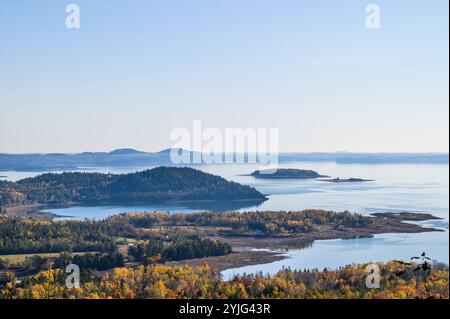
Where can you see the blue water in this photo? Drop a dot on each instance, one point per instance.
(335, 253)
(397, 187)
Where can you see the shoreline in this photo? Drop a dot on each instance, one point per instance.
(383, 223)
(23, 209)
(252, 250)
(235, 259)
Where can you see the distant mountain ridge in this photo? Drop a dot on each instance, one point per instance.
(125, 151)
(128, 157)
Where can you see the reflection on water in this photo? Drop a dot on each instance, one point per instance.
(415, 188)
(101, 212)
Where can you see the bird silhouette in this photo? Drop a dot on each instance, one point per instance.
(424, 265)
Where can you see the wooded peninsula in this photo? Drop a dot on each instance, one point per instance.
(161, 184)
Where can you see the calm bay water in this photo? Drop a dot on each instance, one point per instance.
(414, 188)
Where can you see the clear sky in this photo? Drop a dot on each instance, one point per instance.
(136, 70)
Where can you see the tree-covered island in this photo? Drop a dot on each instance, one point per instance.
(161, 184)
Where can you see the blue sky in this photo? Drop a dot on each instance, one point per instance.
(135, 70)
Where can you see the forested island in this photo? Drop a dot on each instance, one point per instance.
(293, 173)
(286, 173)
(162, 184)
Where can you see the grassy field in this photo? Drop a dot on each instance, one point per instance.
(16, 259)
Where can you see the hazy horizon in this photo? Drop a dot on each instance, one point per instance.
(160, 150)
(133, 72)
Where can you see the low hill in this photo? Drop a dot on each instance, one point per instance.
(125, 151)
(160, 184)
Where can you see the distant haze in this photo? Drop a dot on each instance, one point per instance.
(136, 70)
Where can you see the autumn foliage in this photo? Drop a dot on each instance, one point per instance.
(158, 281)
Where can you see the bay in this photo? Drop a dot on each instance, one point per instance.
(397, 187)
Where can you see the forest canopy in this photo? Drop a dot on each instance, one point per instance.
(160, 184)
(159, 282)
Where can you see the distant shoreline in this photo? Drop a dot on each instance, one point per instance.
(130, 158)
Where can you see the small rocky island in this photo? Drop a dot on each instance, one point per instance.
(286, 173)
(347, 180)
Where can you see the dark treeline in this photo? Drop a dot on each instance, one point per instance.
(86, 262)
(155, 185)
(179, 249)
(22, 236)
